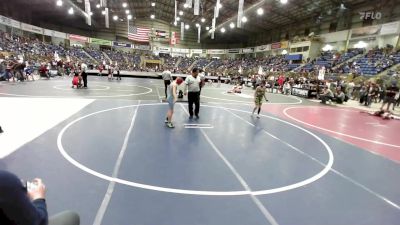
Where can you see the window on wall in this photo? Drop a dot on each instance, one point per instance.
(332, 27)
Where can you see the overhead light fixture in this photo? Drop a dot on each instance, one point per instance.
(244, 19)
(223, 30)
(219, 6)
(185, 5)
(284, 1)
(232, 25)
(152, 16)
(187, 26)
(71, 11)
(342, 6)
(361, 44)
(124, 4)
(327, 48)
(90, 13)
(153, 4)
(115, 17)
(207, 28)
(203, 20)
(175, 23)
(103, 12)
(197, 25)
(284, 52)
(127, 11)
(260, 11)
(59, 3)
(98, 6)
(129, 17)
(178, 18)
(181, 13)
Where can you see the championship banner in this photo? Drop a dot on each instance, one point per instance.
(198, 34)
(240, 14)
(87, 10)
(97, 41)
(365, 31)
(10, 22)
(121, 45)
(189, 3)
(107, 18)
(78, 38)
(182, 30)
(31, 28)
(196, 7)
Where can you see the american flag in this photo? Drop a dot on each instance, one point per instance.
(139, 34)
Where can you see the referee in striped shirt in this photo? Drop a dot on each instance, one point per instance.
(192, 89)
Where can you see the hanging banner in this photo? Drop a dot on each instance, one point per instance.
(196, 7)
(284, 44)
(189, 3)
(240, 14)
(88, 11)
(196, 51)
(121, 45)
(143, 47)
(365, 31)
(10, 22)
(176, 11)
(97, 41)
(180, 50)
(233, 51)
(78, 38)
(31, 28)
(213, 28)
(107, 18)
(216, 51)
(276, 45)
(173, 38)
(60, 35)
(217, 8)
(198, 34)
(247, 50)
(263, 48)
(390, 28)
(182, 30)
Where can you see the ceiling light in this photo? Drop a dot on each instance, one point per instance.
(203, 20)
(284, 52)
(129, 17)
(232, 25)
(152, 16)
(185, 5)
(90, 13)
(59, 3)
(197, 25)
(223, 30)
(71, 11)
(207, 28)
(178, 18)
(260, 11)
(180, 13)
(103, 12)
(124, 4)
(187, 26)
(153, 4)
(127, 11)
(115, 17)
(175, 23)
(244, 19)
(284, 1)
(219, 6)
(98, 6)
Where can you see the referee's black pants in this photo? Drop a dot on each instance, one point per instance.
(84, 78)
(166, 83)
(194, 98)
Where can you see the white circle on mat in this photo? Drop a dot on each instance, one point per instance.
(299, 184)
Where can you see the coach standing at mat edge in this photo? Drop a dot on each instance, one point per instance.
(192, 89)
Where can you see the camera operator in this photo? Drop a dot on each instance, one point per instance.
(26, 205)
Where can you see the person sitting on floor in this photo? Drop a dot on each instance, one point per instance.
(77, 80)
(327, 95)
(340, 97)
